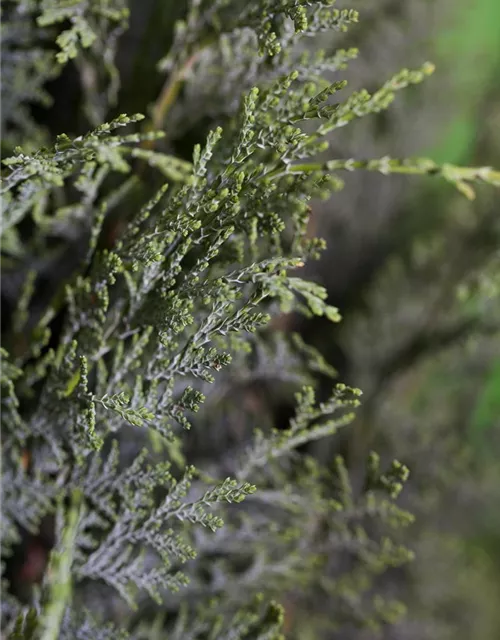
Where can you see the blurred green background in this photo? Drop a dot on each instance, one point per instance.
(414, 269)
(452, 389)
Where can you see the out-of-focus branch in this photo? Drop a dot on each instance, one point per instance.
(432, 341)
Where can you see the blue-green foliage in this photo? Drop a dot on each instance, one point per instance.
(175, 308)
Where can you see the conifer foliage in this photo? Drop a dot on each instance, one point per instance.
(181, 264)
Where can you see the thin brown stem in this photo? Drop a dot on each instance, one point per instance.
(166, 100)
(170, 91)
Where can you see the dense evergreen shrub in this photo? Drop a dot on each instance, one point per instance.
(145, 276)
